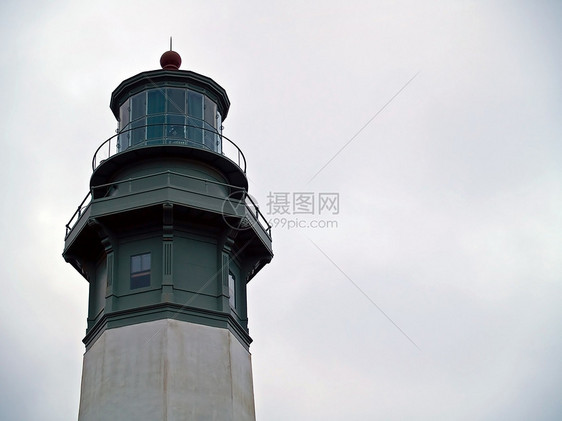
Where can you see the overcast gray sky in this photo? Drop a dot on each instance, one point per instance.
(450, 199)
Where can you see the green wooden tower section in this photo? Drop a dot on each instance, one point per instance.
(168, 230)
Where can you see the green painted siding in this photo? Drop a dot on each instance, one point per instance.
(195, 271)
(97, 289)
(169, 201)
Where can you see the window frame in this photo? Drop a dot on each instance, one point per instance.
(232, 290)
(140, 278)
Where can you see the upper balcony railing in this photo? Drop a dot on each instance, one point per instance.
(189, 135)
(187, 183)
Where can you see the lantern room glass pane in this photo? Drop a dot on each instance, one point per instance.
(156, 101)
(219, 122)
(195, 105)
(195, 119)
(210, 121)
(124, 118)
(175, 129)
(138, 133)
(138, 113)
(194, 130)
(218, 138)
(155, 127)
(210, 112)
(209, 137)
(138, 106)
(124, 114)
(176, 101)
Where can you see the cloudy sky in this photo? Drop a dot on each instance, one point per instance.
(434, 293)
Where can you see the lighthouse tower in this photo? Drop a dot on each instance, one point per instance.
(167, 239)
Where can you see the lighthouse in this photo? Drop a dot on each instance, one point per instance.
(168, 239)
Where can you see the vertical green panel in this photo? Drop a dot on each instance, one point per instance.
(224, 269)
(167, 264)
(224, 281)
(195, 266)
(100, 287)
(110, 269)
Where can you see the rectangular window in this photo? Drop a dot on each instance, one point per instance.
(140, 271)
(232, 290)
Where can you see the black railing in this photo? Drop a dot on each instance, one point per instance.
(260, 219)
(249, 203)
(78, 213)
(229, 149)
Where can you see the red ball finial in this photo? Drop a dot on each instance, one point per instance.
(170, 60)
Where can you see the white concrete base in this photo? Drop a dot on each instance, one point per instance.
(167, 370)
